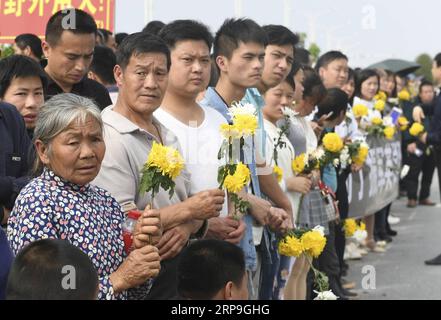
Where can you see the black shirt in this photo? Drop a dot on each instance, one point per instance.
(86, 88)
(14, 155)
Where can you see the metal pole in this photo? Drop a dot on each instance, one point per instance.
(238, 8)
(148, 11)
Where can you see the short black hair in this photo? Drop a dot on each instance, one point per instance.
(335, 101)
(233, 32)
(280, 35)
(31, 40)
(39, 270)
(361, 76)
(328, 57)
(104, 35)
(18, 66)
(313, 85)
(153, 27)
(138, 43)
(179, 30)
(84, 24)
(302, 56)
(424, 83)
(119, 37)
(437, 59)
(206, 266)
(104, 60)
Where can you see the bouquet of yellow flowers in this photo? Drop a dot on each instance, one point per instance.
(416, 129)
(379, 105)
(404, 95)
(163, 165)
(305, 163)
(360, 110)
(358, 152)
(235, 175)
(389, 132)
(381, 95)
(308, 242)
(403, 123)
(354, 229)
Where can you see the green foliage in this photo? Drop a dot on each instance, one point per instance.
(152, 179)
(314, 50)
(426, 66)
(6, 50)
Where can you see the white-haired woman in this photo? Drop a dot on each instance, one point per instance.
(60, 203)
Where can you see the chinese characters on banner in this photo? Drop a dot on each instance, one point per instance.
(31, 16)
(377, 185)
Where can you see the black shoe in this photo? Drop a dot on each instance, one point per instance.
(434, 262)
(384, 237)
(391, 232)
(334, 285)
(346, 292)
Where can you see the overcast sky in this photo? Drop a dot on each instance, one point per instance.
(367, 31)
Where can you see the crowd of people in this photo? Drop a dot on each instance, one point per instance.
(77, 127)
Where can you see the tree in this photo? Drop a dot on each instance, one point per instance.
(6, 51)
(314, 50)
(426, 66)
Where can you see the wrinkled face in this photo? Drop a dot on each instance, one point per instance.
(369, 88)
(298, 79)
(427, 94)
(244, 68)
(69, 60)
(349, 87)
(76, 153)
(26, 94)
(335, 74)
(190, 68)
(143, 82)
(275, 99)
(278, 63)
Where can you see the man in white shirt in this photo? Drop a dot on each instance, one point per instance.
(196, 127)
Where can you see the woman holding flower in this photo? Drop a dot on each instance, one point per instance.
(60, 203)
(280, 152)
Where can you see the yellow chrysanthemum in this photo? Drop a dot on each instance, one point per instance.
(360, 158)
(377, 121)
(332, 142)
(168, 160)
(360, 110)
(350, 227)
(313, 243)
(403, 123)
(362, 226)
(389, 132)
(243, 173)
(379, 105)
(298, 164)
(229, 131)
(416, 129)
(404, 95)
(235, 182)
(381, 96)
(290, 246)
(246, 124)
(278, 172)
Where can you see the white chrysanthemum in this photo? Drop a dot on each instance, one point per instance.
(360, 235)
(336, 162)
(393, 101)
(319, 229)
(288, 112)
(238, 109)
(388, 121)
(364, 145)
(318, 153)
(325, 295)
(345, 157)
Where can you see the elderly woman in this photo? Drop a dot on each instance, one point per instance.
(60, 203)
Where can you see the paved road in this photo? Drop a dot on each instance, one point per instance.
(401, 272)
